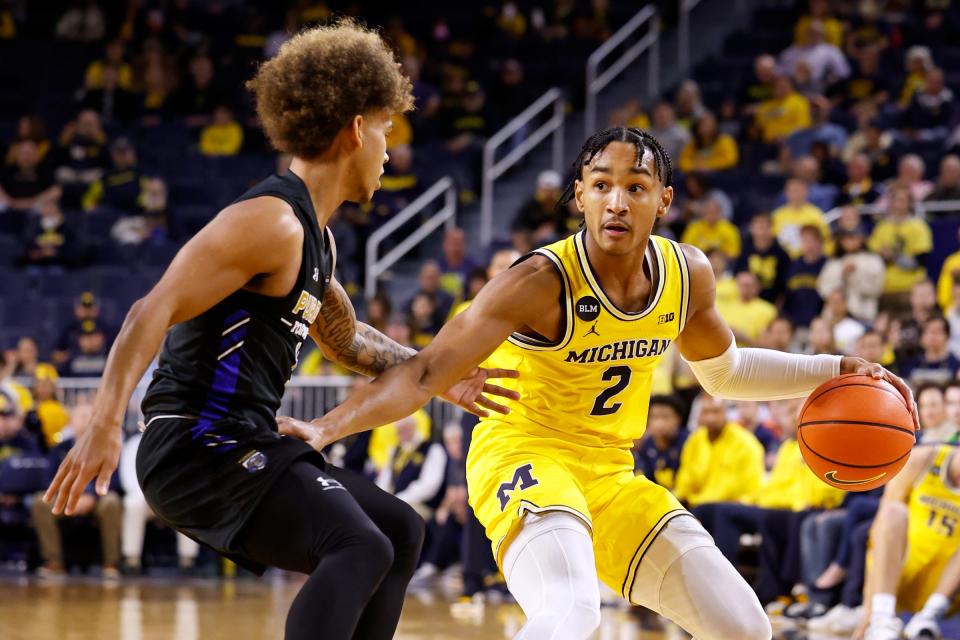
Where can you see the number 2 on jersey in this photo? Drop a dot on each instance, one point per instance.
(622, 375)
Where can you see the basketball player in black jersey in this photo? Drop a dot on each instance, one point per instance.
(239, 300)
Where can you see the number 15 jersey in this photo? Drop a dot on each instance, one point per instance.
(593, 385)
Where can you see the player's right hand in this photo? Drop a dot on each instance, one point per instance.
(312, 433)
(95, 454)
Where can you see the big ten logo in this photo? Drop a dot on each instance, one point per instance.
(522, 479)
(666, 317)
(309, 305)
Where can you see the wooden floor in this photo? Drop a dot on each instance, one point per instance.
(152, 609)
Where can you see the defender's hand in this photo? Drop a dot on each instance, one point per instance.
(858, 365)
(468, 393)
(313, 433)
(94, 455)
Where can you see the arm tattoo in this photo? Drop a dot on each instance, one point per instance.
(355, 345)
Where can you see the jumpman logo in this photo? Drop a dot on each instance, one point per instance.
(593, 331)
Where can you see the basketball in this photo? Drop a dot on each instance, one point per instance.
(855, 432)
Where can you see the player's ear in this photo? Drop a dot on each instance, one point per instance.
(666, 198)
(354, 131)
(578, 194)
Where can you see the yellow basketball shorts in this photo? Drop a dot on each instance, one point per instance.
(510, 473)
(921, 572)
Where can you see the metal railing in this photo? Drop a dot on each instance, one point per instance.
(493, 168)
(306, 397)
(444, 188)
(597, 81)
(920, 208)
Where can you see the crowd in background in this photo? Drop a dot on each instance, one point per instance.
(819, 187)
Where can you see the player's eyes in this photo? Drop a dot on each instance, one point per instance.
(636, 188)
(600, 186)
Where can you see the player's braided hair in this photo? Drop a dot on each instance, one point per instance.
(596, 143)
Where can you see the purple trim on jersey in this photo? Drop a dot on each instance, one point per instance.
(222, 386)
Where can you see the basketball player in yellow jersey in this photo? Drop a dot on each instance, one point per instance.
(585, 322)
(914, 558)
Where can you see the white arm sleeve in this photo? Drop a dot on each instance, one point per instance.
(763, 374)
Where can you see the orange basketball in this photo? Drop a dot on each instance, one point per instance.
(855, 432)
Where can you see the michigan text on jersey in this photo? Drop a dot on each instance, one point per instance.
(622, 350)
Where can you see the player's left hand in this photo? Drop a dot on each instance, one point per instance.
(313, 433)
(850, 364)
(468, 393)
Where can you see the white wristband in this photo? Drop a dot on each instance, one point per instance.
(763, 374)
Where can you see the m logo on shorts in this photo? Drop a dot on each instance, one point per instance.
(522, 479)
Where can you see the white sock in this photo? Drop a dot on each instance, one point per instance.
(936, 606)
(884, 606)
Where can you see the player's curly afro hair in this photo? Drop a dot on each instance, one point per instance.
(596, 143)
(321, 79)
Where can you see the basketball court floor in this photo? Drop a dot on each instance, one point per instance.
(171, 609)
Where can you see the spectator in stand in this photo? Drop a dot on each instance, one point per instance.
(748, 417)
(779, 335)
(903, 240)
(871, 139)
(936, 365)
(422, 320)
(855, 271)
(697, 189)
(952, 314)
(871, 347)
(14, 439)
(466, 127)
(82, 23)
(760, 87)
(29, 127)
(50, 411)
(150, 225)
(511, 93)
(720, 461)
(807, 168)
(105, 509)
(795, 214)
(91, 357)
(803, 303)
(775, 509)
(455, 265)
(949, 275)
(537, 221)
(800, 143)
(27, 182)
(918, 62)
(818, 11)
(935, 424)
(112, 102)
(672, 135)
(763, 256)
(426, 98)
(747, 315)
(859, 187)
(430, 284)
(86, 309)
(81, 158)
(399, 186)
(930, 113)
(711, 231)
(948, 184)
(223, 136)
(122, 187)
(708, 149)
(113, 58)
(906, 334)
(26, 358)
(826, 61)
(657, 455)
(415, 470)
(783, 114)
(50, 243)
(846, 329)
(136, 513)
(378, 311)
(910, 175)
(154, 95)
(17, 446)
(867, 87)
(688, 104)
(200, 95)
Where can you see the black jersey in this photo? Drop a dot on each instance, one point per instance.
(236, 358)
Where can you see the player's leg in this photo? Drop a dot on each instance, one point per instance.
(551, 571)
(108, 515)
(672, 580)
(133, 526)
(927, 620)
(405, 529)
(888, 552)
(308, 523)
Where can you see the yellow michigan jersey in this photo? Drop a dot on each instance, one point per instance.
(566, 443)
(933, 532)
